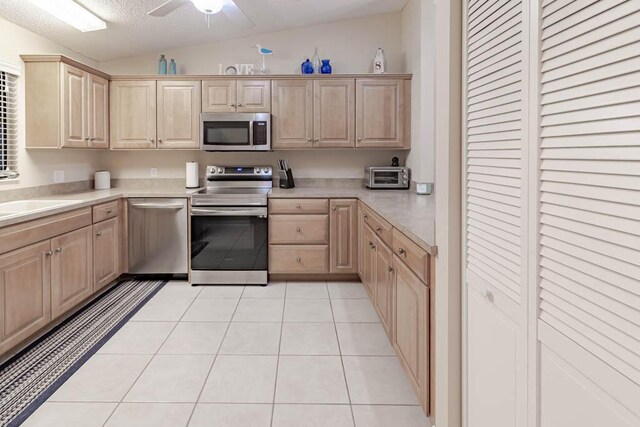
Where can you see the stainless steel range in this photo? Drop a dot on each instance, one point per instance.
(229, 226)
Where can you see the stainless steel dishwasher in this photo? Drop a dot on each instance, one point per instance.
(158, 236)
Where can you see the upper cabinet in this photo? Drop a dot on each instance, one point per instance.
(150, 114)
(66, 104)
(383, 113)
(230, 96)
(334, 113)
(292, 114)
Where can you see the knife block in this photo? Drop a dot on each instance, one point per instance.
(286, 179)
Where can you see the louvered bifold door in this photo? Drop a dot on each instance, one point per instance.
(495, 210)
(589, 231)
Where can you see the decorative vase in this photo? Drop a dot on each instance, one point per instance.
(315, 60)
(379, 62)
(307, 67)
(173, 68)
(326, 67)
(162, 65)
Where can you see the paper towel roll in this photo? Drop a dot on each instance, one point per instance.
(192, 175)
(102, 180)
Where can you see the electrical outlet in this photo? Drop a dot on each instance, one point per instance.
(154, 172)
(58, 176)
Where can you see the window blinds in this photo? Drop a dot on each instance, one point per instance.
(590, 179)
(8, 126)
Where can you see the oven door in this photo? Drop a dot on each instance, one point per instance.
(229, 245)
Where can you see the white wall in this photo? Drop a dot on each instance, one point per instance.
(418, 49)
(36, 167)
(350, 44)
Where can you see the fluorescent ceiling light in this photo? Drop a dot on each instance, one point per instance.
(72, 13)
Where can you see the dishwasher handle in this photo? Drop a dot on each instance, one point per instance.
(165, 206)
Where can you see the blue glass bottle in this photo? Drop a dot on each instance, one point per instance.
(162, 65)
(307, 67)
(326, 67)
(173, 68)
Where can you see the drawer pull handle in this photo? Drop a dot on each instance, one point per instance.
(378, 229)
(402, 251)
(109, 211)
(298, 229)
(98, 234)
(298, 259)
(48, 253)
(389, 268)
(58, 249)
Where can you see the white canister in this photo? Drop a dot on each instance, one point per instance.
(192, 175)
(102, 180)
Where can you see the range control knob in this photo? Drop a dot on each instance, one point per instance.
(220, 170)
(258, 170)
(212, 170)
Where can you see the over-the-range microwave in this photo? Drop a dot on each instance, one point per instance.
(236, 131)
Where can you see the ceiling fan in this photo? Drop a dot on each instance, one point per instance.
(208, 7)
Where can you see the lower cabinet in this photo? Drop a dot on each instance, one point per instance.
(369, 261)
(71, 270)
(343, 235)
(384, 280)
(106, 244)
(25, 293)
(411, 327)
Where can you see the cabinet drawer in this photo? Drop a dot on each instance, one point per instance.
(298, 206)
(298, 259)
(381, 227)
(106, 211)
(416, 258)
(299, 229)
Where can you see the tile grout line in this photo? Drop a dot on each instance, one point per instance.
(151, 358)
(214, 359)
(344, 372)
(275, 383)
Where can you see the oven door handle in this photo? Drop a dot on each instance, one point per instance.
(259, 212)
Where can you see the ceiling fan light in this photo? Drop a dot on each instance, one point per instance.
(209, 7)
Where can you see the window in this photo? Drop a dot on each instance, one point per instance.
(8, 126)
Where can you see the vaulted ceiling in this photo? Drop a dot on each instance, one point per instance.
(130, 31)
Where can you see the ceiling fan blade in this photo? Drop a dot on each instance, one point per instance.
(168, 7)
(236, 15)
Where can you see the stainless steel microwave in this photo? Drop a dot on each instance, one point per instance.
(236, 131)
(389, 177)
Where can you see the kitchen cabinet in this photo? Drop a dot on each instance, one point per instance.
(369, 262)
(66, 104)
(106, 248)
(292, 114)
(361, 245)
(25, 293)
(334, 113)
(411, 327)
(178, 122)
(71, 270)
(343, 235)
(383, 115)
(230, 96)
(133, 114)
(384, 284)
(301, 259)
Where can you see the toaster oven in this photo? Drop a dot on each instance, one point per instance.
(387, 177)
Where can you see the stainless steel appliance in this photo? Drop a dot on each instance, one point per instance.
(389, 177)
(229, 226)
(236, 131)
(158, 236)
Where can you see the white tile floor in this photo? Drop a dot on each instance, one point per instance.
(295, 354)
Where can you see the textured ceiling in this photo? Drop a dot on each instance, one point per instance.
(130, 31)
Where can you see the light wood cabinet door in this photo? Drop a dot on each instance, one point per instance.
(254, 96)
(179, 114)
(369, 262)
(133, 114)
(219, 96)
(98, 112)
(74, 107)
(25, 293)
(106, 246)
(361, 244)
(343, 235)
(292, 114)
(381, 109)
(384, 279)
(71, 270)
(334, 113)
(411, 327)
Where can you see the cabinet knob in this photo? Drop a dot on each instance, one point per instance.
(109, 211)
(160, 141)
(359, 139)
(298, 206)
(389, 268)
(378, 229)
(488, 295)
(298, 229)
(48, 253)
(240, 105)
(58, 249)
(98, 234)
(309, 139)
(333, 208)
(402, 251)
(151, 140)
(233, 105)
(92, 139)
(298, 259)
(86, 138)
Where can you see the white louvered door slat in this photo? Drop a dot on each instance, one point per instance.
(8, 126)
(589, 222)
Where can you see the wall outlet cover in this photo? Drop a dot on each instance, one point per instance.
(58, 177)
(154, 172)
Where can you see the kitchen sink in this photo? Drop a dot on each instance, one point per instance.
(19, 207)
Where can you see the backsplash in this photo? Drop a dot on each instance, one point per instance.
(45, 190)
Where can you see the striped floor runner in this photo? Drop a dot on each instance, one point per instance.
(28, 379)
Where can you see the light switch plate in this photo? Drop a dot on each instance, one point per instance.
(58, 176)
